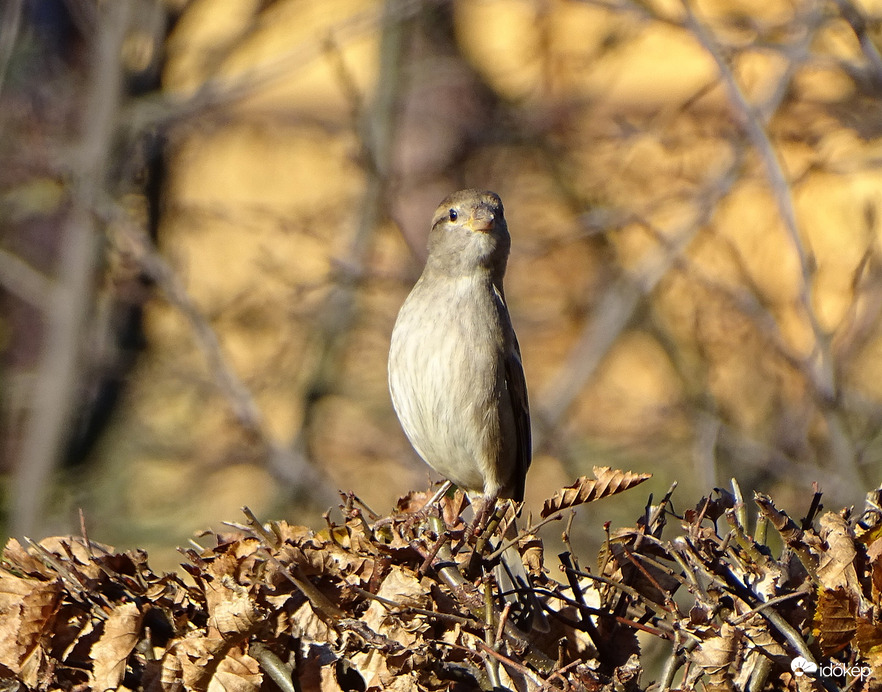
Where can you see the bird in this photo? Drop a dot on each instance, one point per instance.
(456, 378)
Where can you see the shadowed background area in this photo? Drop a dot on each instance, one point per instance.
(211, 211)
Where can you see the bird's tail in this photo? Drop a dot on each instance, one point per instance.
(516, 588)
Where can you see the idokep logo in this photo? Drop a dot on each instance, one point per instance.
(802, 666)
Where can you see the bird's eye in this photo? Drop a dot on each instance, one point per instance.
(452, 215)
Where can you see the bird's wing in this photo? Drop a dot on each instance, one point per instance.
(517, 387)
(517, 391)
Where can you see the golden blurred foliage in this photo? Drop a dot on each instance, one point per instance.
(692, 190)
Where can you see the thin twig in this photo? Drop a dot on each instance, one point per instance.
(509, 663)
(282, 674)
(617, 308)
(164, 109)
(407, 609)
(824, 379)
(291, 467)
(805, 589)
(558, 674)
(625, 589)
(858, 23)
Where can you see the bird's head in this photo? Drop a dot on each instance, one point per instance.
(469, 233)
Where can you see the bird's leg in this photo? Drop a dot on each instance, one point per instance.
(483, 512)
(482, 509)
(493, 514)
(482, 526)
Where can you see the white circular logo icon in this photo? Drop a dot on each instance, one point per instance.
(802, 666)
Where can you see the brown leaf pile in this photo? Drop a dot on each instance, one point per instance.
(403, 602)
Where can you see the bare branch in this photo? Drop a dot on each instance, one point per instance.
(338, 312)
(55, 390)
(10, 21)
(618, 307)
(167, 108)
(22, 280)
(823, 376)
(858, 23)
(819, 368)
(293, 468)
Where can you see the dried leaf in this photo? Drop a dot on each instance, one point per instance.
(111, 652)
(14, 553)
(372, 665)
(869, 641)
(328, 680)
(836, 564)
(232, 608)
(414, 501)
(236, 672)
(241, 591)
(711, 508)
(25, 608)
(835, 623)
(171, 675)
(716, 656)
(196, 657)
(403, 587)
(757, 631)
(308, 626)
(873, 553)
(606, 482)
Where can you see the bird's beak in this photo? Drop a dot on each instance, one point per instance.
(482, 220)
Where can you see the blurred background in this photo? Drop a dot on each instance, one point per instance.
(211, 211)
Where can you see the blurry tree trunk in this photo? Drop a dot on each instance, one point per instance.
(55, 392)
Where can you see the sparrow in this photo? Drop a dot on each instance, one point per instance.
(455, 373)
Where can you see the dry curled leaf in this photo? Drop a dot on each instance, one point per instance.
(717, 655)
(26, 606)
(606, 482)
(232, 608)
(836, 564)
(869, 643)
(835, 622)
(111, 652)
(236, 672)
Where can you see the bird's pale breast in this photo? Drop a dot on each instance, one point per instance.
(440, 414)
